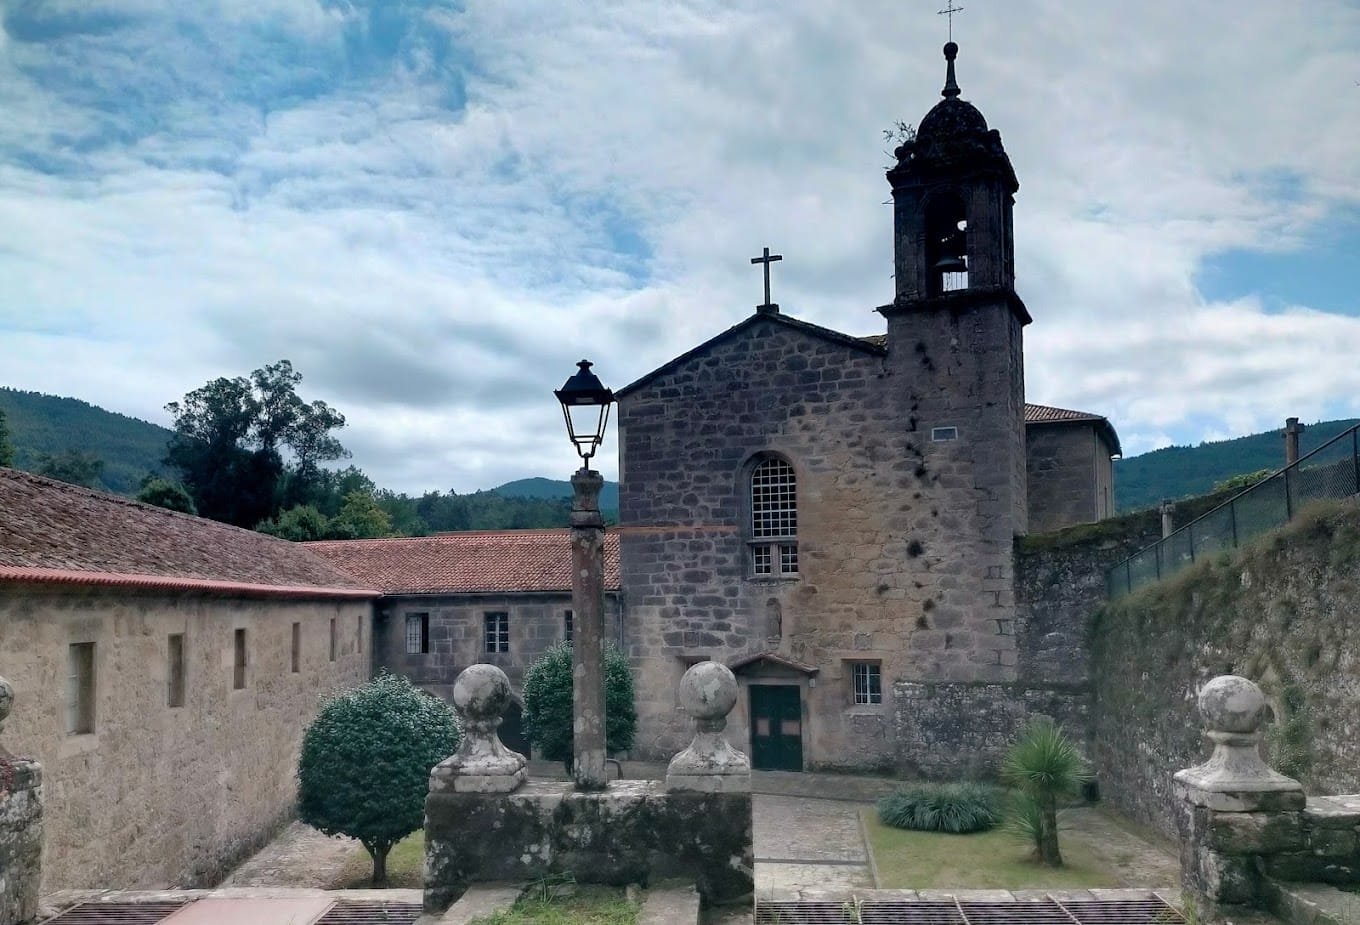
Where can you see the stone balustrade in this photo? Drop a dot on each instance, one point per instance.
(485, 821)
(21, 827)
(1244, 827)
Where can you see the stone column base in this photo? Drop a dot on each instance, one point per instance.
(21, 839)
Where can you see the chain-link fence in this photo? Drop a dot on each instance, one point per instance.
(1330, 471)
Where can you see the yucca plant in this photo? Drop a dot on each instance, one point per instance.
(1045, 767)
(956, 808)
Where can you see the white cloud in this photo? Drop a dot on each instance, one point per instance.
(435, 223)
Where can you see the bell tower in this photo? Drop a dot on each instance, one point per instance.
(955, 325)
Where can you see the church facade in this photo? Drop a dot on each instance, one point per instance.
(833, 516)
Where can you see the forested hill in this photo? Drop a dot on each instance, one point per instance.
(45, 425)
(1185, 471)
(554, 488)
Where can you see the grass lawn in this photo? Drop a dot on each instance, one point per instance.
(405, 866)
(589, 905)
(910, 860)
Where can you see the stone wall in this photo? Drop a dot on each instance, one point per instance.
(1069, 475)
(1280, 612)
(161, 796)
(904, 543)
(21, 827)
(457, 634)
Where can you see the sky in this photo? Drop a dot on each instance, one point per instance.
(435, 208)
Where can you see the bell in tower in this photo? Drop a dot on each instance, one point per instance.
(953, 190)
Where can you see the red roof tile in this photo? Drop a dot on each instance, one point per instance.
(54, 532)
(1045, 414)
(466, 563)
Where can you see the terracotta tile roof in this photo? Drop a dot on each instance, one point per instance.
(52, 532)
(1047, 414)
(465, 563)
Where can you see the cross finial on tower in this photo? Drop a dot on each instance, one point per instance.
(949, 10)
(767, 258)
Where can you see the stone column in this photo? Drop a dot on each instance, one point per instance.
(482, 763)
(1234, 810)
(1167, 508)
(1292, 429)
(21, 828)
(708, 691)
(587, 600)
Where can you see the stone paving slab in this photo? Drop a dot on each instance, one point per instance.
(673, 906)
(480, 901)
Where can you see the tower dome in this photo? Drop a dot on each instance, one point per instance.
(953, 137)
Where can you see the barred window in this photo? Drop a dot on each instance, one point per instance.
(568, 626)
(774, 516)
(417, 633)
(497, 632)
(868, 682)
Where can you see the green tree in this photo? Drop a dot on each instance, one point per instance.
(299, 524)
(167, 494)
(6, 447)
(547, 703)
(230, 438)
(1044, 767)
(360, 518)
(72, 466)
(365, 763)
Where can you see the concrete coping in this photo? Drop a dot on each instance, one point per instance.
(480, 901)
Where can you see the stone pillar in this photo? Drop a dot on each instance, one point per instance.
(708, 691)
(1292, 429)
(587, 600)
(21, 828)
(1235, 812)
(482, 763)
(1167, 508)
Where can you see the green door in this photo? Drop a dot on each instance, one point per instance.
(776, 727)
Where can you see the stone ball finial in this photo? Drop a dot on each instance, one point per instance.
(482, 694)
(1232, 704)
(6, 701)
(708, 691)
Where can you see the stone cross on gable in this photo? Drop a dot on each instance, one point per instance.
(767, 258)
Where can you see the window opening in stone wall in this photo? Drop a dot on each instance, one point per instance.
(946, 245)
(943, 434)
(334, 640)
(174, 674)
(868, 682)
(568, 626)
(774, 519)
(417, 634)
(238, 662)
(296, 660)
(498, 632)
(80, 688)
(359, 633)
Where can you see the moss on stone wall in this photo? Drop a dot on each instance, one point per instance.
(1281, 611)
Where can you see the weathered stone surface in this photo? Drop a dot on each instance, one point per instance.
(218, 775)
(1256, 833)
(710, 764)
(481, 763)
(21, 828)
(634, 832)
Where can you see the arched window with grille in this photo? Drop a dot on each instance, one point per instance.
(774, 519)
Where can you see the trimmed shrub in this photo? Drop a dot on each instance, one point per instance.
(547, 703)
(956, 808)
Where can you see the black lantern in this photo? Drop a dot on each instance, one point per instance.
(585, 405)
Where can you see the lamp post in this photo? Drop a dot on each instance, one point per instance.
(585, 406)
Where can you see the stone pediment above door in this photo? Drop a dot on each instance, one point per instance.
(771, 665)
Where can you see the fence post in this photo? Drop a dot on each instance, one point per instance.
(1232, 512)
(1157, 556)
(1288, 494)
(1190, 535)
(1128, 576)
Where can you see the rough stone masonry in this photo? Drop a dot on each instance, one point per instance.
(21, 831)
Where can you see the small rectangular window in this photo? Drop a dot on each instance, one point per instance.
(762, 560)
(943, 434)
(788, 559)
(497, 632)
(174, 674)
(868, 682)
(80, 688)
(359, 633)
(238, 670)
(568, 626)
(334, 639)
(417, 634)
(296, 661)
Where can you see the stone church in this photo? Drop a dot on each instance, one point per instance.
(834, 516)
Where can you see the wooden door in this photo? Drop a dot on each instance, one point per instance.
(776, 727)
